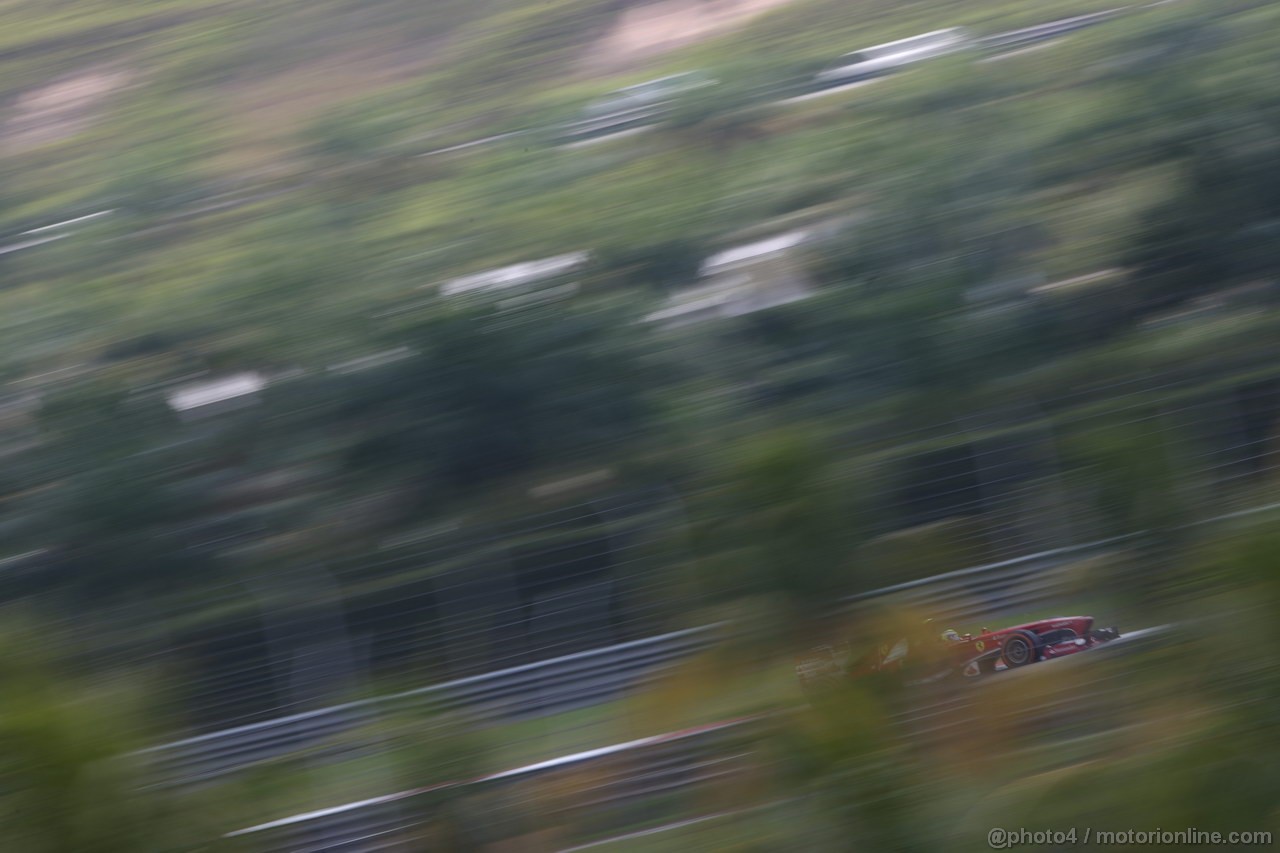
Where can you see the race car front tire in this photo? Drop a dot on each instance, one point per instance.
(1021, 648)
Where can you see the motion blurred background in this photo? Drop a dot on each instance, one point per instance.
(441, 426)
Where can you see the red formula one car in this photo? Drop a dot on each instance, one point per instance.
(966, 655)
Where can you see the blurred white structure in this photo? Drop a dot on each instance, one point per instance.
(33, 237)
(60, 226)
(737, 281)
(199, 399)
(569, 484)
(633, 107)
(515, 275)
(892, 56)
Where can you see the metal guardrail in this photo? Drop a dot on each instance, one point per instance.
(621, 774)
(680, 761)
(589, 677)
(992, 587)
(535, 689)
(593, 676)
(378, 826)
(583, 678)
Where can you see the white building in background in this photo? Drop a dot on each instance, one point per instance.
(893, 56)
(201, 399)
(736, 257)
(740, 280)
(516, 275)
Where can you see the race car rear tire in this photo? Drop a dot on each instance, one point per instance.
(1021, 648)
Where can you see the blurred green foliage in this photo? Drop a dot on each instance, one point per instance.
(71, 779)
(777, 524)
(965, 191)
(1066, 246)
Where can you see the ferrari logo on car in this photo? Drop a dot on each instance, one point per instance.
(980, 646)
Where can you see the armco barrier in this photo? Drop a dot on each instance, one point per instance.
(544, 687)
(621, 773)
(676, 762)
(587, 677)
(993, 587)
(593, 676)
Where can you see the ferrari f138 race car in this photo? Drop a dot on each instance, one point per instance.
(954, 654)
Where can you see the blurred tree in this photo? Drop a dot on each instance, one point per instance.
(112, 511)
(161, 163)
(1221, 225)
(1136, 474)
(72, 782)
(732, 110)
(659, 266)
(356, 137)
(777, 523)
(146, 187)
(1177, 97)
(846, 755)
(1134, 477)
(1228, 579)
(921, 551)
(490, 392)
